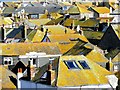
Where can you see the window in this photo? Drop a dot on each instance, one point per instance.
(5, 62)
(71, 65)
(34, 16)
(84, 64)
(9, 62)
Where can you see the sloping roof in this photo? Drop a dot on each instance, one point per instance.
(79, 77)
(113, 54)
(93, 34)
(35, 36)
(58, 29)
(5, 77)
(79, 49)
(82, 8)
(23, 48)
(101, 10)
(64, 47)
(116, 28)
(55, 21)
(5, 21)
(8, 10)
(39, 22)
(14, 32)
(98, 57)
(67, 38)
(73, 10)
(116, 58)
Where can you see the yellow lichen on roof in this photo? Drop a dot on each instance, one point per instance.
(82, 8)
(58, 29)
(98, 57)
(101, 10)
(65, 47)
(55, 15)
(35, 36)
(78, 77)
(23, 48)
(5, 21)
(66, 37)
(116, 28)
(39, 22)
(6, 82)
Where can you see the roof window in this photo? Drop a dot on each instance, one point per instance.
(71, 64)
(84, 64)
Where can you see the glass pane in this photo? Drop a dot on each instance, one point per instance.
(84, 65)
(71, 65)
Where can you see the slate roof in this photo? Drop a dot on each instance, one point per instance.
(79, 49)
(79, 77)
(8, 10)
(14, 32)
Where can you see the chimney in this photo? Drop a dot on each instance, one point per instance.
(19, 75)
(42, 29)
(110, 9)
(73, 25)
(49, 74)
(110, 64)
(30, 70)
(3, 33)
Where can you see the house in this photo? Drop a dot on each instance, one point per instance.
(84, 12)
(111, 35)
(13, 51)
(71, 70)
(100, 11)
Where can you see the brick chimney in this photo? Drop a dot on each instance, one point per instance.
(19, 75)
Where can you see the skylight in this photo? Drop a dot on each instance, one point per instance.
(84, 64)
(71, 65)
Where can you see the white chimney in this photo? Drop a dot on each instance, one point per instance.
(19, 75)
(78, 28)
(110, 9)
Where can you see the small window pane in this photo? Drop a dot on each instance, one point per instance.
(5, 62)
(34, 61)
(9, 62)
(71, 65)
(84, 65)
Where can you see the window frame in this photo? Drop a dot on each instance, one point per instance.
(74, 62)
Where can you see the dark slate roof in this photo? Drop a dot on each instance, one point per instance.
(113, 53)
(35, 10)
(32, 9)
(78, 49)
(14, 32)
(53, 8)
(8, 10)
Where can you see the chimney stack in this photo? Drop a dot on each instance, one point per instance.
(19, 75)
(30, 70)
(2, 33)
(49, 74)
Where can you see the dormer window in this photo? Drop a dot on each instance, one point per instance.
(84, 64)
(71, 64)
